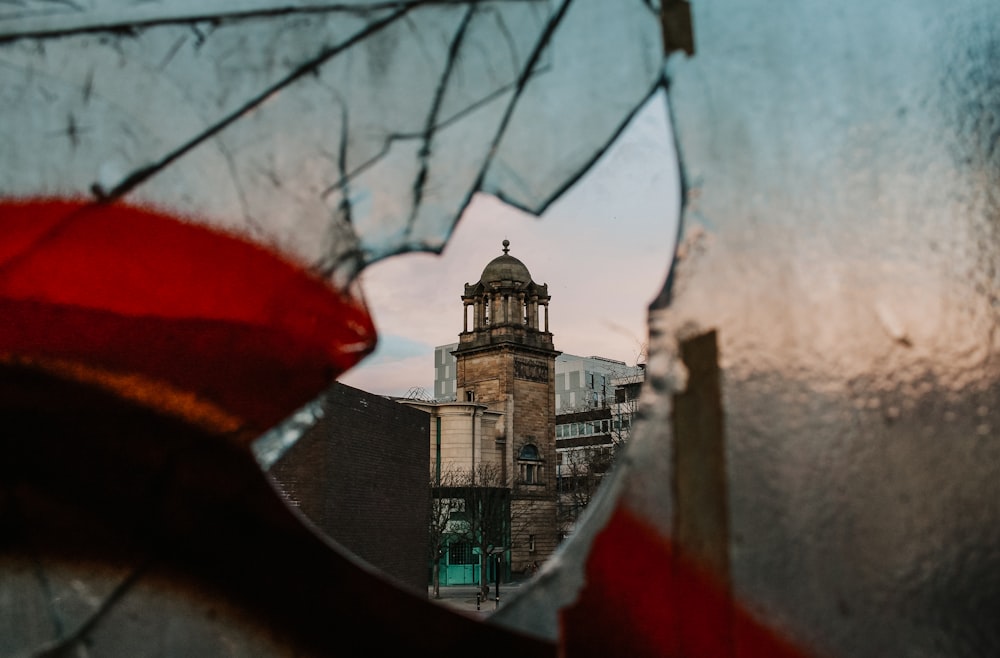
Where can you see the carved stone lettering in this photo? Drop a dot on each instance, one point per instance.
(533, 371)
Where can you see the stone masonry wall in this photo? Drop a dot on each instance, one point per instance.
(492, 375)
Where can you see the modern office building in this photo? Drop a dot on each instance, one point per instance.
(582, 382)
(588, 441)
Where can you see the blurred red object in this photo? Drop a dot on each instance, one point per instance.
(189, 320)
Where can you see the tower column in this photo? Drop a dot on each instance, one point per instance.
(509, 363)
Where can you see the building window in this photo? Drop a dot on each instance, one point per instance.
(529, 468)
(470, 396)
(531, 543)
(460, 553)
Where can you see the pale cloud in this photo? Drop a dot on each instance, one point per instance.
(603, 248)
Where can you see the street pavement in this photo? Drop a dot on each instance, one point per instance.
(463, 598)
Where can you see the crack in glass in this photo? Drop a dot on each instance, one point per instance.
(189, 191)
(339, 133)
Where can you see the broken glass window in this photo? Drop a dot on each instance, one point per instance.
(839, 251)
(187, 194)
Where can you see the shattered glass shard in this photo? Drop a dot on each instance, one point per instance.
(338, 133)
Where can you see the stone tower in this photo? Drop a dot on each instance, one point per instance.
(505, 359)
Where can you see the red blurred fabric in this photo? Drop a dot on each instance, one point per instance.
(133, 291)
(643, 598)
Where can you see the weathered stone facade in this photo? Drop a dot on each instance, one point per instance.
(463, 435)
(506, 360)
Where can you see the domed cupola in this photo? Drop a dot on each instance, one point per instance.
(505, 269)
(505, 306)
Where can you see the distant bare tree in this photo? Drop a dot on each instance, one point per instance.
(581, 474)
(491, 514)
(583, 467)
(442, 525)
(473, 506)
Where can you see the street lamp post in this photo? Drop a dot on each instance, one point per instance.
(497, 552)
(498, 582)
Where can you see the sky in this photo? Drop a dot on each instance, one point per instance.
(603, 248)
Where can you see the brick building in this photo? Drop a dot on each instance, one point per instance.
(360, 475)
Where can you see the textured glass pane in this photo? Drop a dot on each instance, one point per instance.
(840, 234)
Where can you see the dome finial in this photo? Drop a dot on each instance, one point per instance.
(506, 246)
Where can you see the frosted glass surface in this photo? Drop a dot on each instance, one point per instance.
(840, 233)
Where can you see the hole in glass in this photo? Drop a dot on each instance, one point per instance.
(267, 151)
(603, 250)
